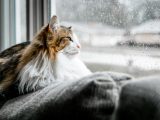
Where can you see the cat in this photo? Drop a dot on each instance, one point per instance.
(52, 55)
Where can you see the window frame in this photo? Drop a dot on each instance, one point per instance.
(7, 23)
(38, 13)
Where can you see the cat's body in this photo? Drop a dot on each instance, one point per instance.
(52, 55)
(41, 71)
(9, 60)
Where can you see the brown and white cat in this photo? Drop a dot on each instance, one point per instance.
(51, 56)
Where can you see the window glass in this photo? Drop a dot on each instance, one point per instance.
(116, 35)
(12, 22)
(6, 28)
(20, 21)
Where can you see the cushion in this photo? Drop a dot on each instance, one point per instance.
(94, 97)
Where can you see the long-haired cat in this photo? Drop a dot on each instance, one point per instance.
(52, 55)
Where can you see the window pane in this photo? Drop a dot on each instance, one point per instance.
(20, 21)
(12, 22)
(116, 35)
(5, 33)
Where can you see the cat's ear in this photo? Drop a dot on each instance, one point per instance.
(53, 24)
(70, 27)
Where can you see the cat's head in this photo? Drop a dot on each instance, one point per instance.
(57, 38)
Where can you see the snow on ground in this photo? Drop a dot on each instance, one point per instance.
(137, 61)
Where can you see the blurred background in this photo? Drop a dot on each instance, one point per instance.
(116, 35)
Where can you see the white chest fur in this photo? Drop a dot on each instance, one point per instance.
(70, 68)
(41, 71)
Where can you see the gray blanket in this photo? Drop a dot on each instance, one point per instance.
(91, 98)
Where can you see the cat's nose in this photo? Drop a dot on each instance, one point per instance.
(78, 46)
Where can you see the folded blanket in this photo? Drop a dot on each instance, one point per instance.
(140, 100)
(91, 98)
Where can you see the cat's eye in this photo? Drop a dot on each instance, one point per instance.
(70, 39)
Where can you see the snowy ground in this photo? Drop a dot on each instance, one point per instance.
(141, 62)
(132, 61)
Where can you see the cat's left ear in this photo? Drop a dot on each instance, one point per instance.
(70, 27)
(54, 23)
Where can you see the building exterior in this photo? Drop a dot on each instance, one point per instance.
(147, 33)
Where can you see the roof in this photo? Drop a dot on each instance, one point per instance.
(151, 26)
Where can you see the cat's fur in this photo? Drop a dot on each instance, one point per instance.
(52, 55)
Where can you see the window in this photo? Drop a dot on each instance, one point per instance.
(116, 35)
(12, 22)
(21, 19)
